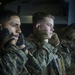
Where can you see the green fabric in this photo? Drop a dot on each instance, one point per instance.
(54, 40)
(13, 61)
(64, 49)
(71, 70)
(42, 51)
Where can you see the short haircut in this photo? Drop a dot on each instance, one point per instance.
(5, 15)
(40, 16)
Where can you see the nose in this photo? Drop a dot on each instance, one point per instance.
(18, 29)
(52, 29)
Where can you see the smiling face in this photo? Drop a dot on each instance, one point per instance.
(47, 26)
(13, 25)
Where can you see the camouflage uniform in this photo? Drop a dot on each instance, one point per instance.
(41, 50)
(67, 49)
(64, 50)
(55, 41)
(12, 61)
(43, 55)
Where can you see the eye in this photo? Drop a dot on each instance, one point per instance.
(50, 25)
(15, 25)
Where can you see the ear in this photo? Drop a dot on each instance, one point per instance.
(38, 25)
(1, 27)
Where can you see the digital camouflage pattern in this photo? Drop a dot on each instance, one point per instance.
(67, 48)
(33, 65)
(41, 50)
(68, 44)
(70, 37)
(12, 61)
(55, 41)
(64, 50)
(71, 70)
(43, 53)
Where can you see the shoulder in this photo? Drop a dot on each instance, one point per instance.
(48, 47)
(14, 52)
(11, 59)
(31, 44)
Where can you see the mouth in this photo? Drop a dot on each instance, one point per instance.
(51, 33)
(16, 35)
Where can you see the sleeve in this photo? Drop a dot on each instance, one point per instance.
(12, 62)
(43, 55)
(64, 51)
(33, 65)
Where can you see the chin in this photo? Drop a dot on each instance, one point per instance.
(49, 36)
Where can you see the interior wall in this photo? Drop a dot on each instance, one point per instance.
(26, 10)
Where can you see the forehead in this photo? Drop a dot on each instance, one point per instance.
(49, 21)
(14, 18)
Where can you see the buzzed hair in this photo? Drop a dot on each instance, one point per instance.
(6, 14)
(40, 16)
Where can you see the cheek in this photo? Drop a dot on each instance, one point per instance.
(47, 29)
(11, 29)
(44, 28)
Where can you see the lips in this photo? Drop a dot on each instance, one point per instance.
(16, 35)
(50, 33)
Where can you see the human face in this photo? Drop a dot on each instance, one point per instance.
(13, 25)
(47, 26)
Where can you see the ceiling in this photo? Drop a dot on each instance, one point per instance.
(31, 1)
(63, 3)
(35, 1)
(40, 1)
